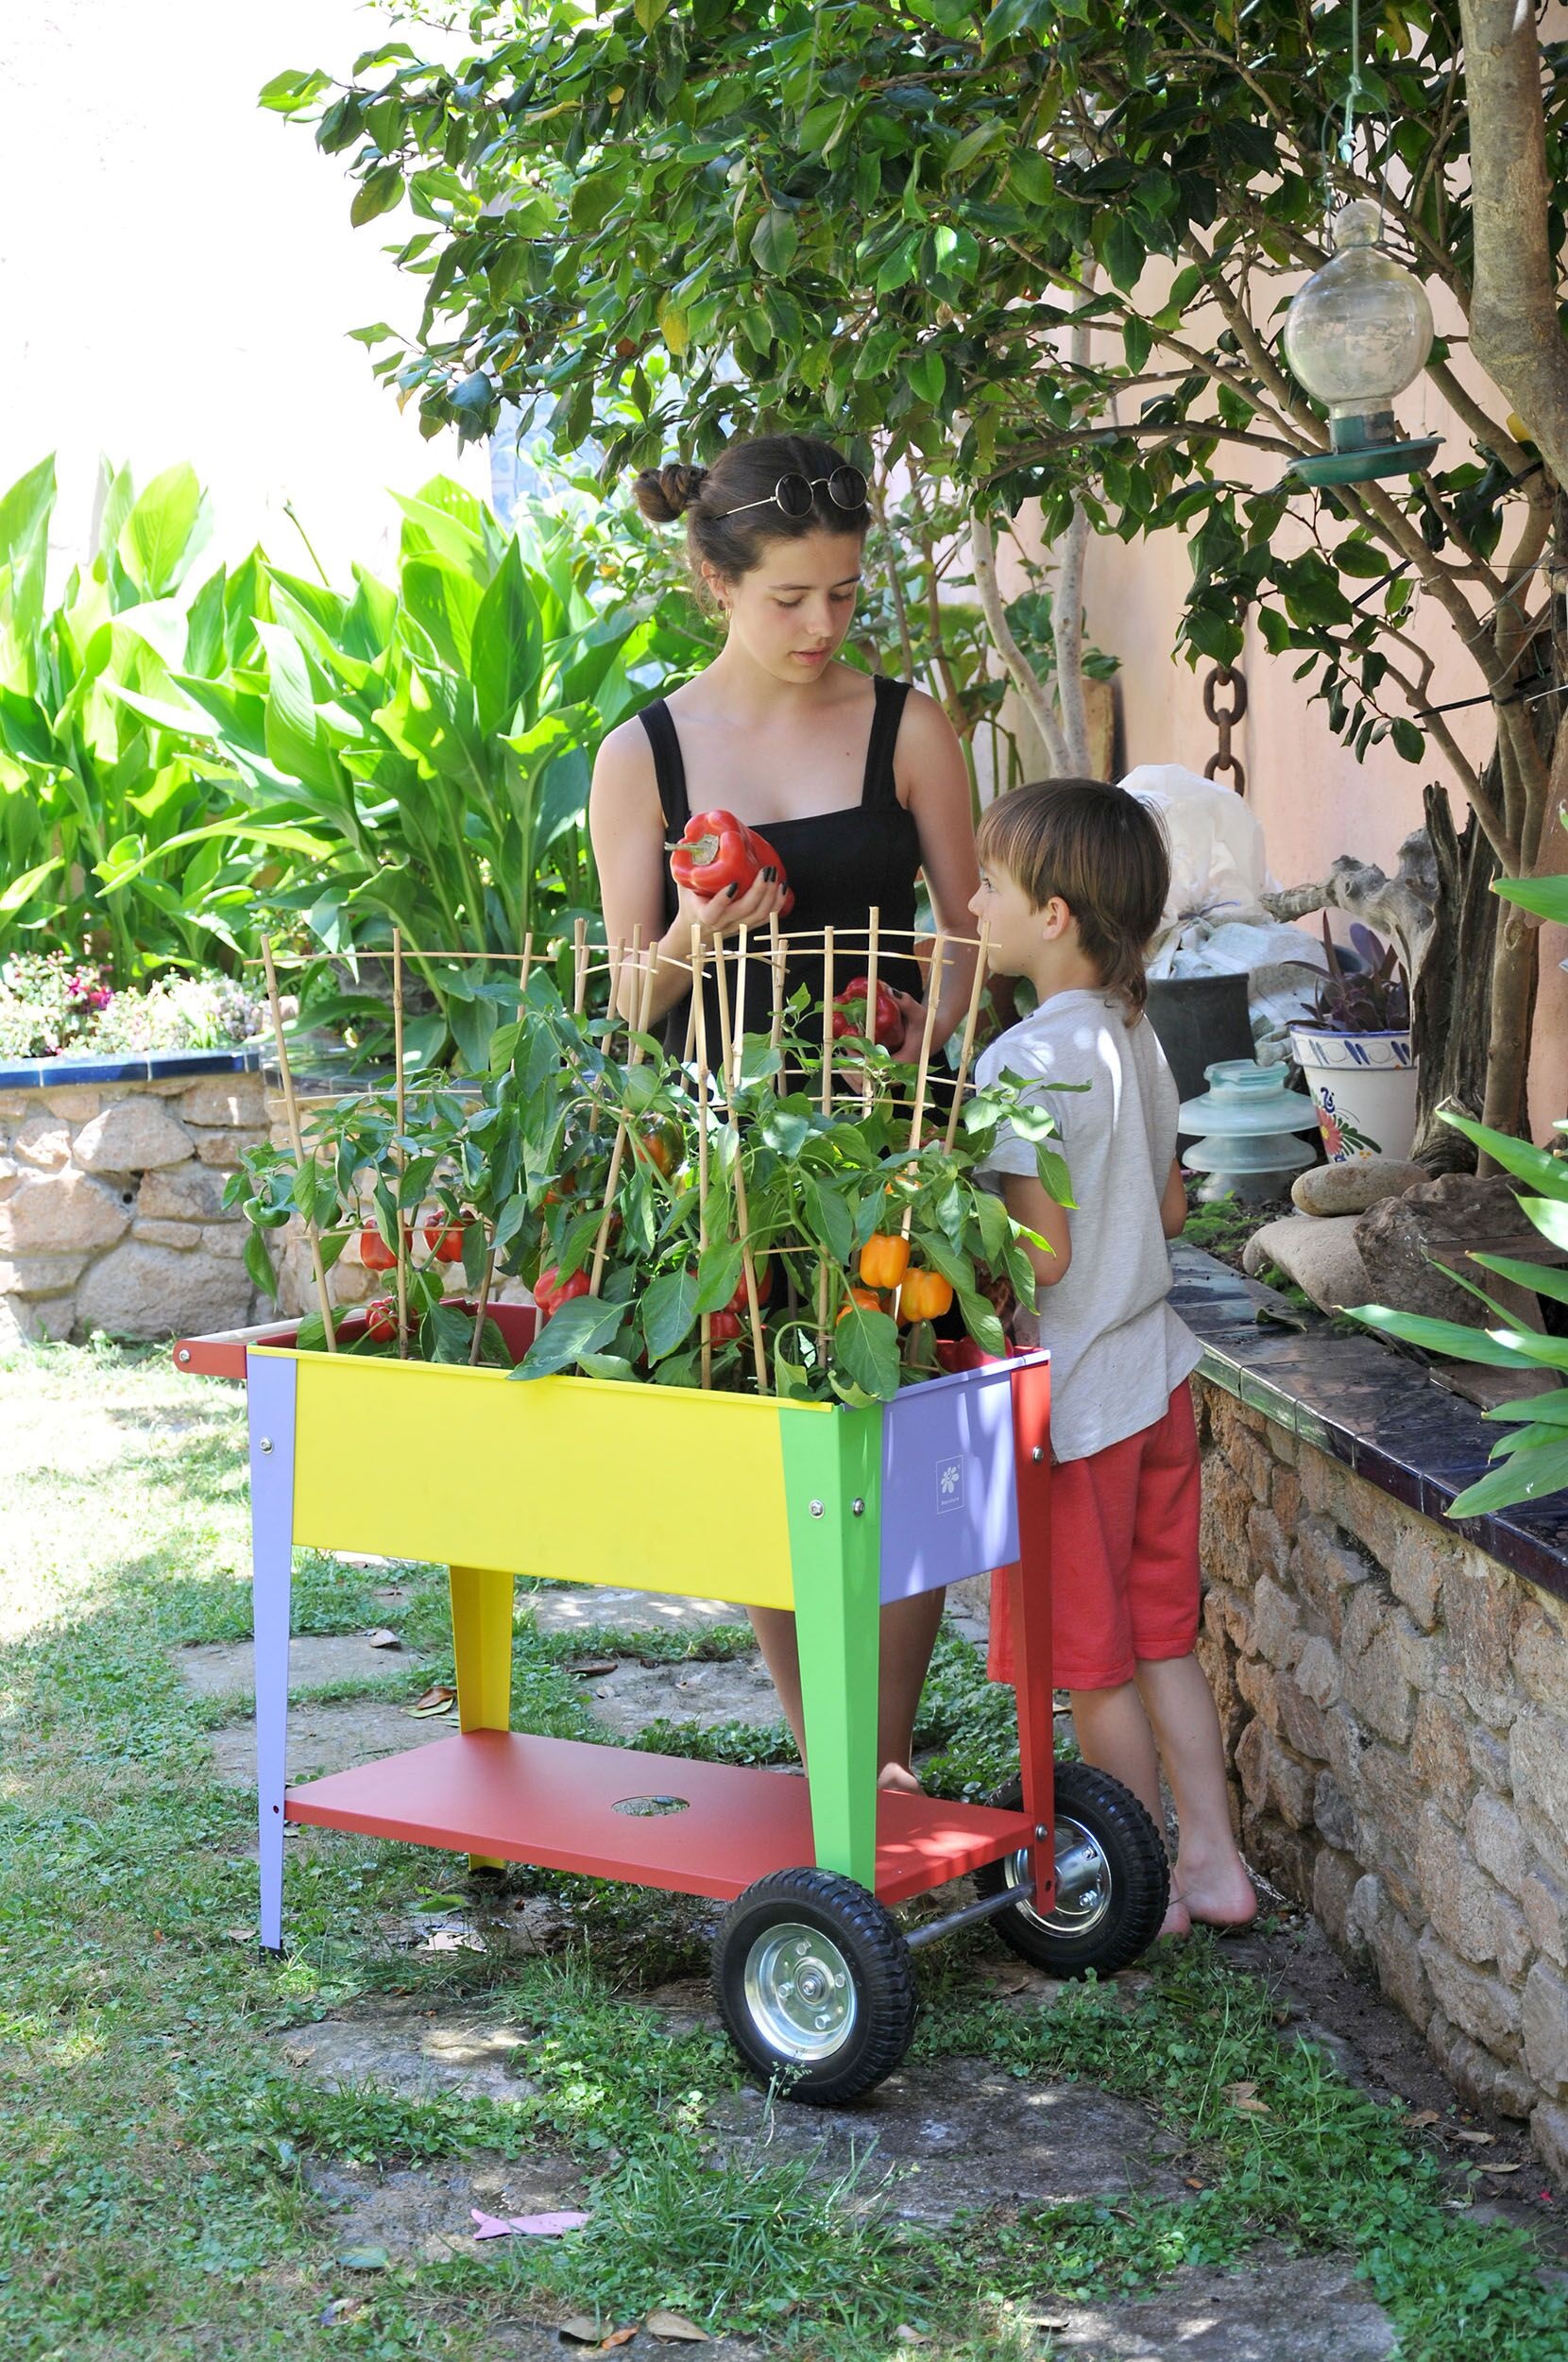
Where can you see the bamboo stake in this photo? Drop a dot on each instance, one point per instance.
(741, 964)
(622, 1129)
(706, 1331)
(286, 1075)
(403, 1127)
(776, 957)
(871, 1001)
(759, 1352)
(969, 1024)
(486, 1277)
(579, 965)
(939, 955)
(826, 1109)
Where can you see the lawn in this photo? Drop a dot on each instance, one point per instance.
(158, 2153)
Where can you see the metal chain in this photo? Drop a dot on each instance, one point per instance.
(1224, 718)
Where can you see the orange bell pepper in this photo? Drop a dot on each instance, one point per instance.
(924, 1295)
(884, 1260)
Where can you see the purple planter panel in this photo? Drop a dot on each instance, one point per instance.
(949, 1507)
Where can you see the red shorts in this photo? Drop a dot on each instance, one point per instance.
(1124, 1557)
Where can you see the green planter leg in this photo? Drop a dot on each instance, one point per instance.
(832, 1468)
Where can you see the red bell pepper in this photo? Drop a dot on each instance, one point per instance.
(850, 1012)
(715, 855)
(718, 854)
(551, 1291)
(722, 1328)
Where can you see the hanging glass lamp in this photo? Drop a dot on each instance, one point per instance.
(1356, 335)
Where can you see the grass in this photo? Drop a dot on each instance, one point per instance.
(156, 2150)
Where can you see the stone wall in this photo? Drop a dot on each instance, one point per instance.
(111, 1206)
(1395, 1707)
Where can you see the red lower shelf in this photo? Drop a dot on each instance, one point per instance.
(552, 1802)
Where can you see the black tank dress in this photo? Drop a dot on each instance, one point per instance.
(841, 865)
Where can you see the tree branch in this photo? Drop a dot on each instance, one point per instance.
(1514, 331)
(1020, 671)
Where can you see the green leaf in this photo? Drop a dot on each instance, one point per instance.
(509, 644)
(377, 194)
(1450, 1337)
(980, 1319)
(610, 1365)
(1537, 1165)
(669, 1308)
(831, 1220)
(719, 1274)
(1408, 740)
(258, 1262)
(1547, 896)
(157, 533)
(584, 1326)
(446, 1334)
(1525, 1476)
(865, 1350)
(1122, 252)
(776, 241)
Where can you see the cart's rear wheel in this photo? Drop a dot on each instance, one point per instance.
(1113, 1880)
(815, 1985)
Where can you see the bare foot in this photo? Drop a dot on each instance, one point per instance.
(1178, 1920)
(1222, 1897)
(898, 1777)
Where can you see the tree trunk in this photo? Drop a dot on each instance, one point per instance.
(1449, 1016)
(1513, 982)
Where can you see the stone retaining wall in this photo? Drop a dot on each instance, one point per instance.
(112, 1206)
(1395, 1707)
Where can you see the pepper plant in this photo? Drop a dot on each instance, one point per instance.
(577, 1166)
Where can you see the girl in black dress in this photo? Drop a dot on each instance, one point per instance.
(859, 784)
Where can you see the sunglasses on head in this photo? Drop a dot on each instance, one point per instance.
(796, 495)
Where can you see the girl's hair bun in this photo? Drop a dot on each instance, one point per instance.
(665, 493)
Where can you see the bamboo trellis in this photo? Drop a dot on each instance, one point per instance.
(843, 1079)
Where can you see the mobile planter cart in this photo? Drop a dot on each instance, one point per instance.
(569, 1478)
(871, 1492)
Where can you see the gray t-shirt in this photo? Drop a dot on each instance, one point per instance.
(1117, 1350)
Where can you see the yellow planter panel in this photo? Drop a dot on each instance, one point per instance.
(576, 1479)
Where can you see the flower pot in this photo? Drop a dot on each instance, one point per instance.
(1197, 1019)
(1364, 1088)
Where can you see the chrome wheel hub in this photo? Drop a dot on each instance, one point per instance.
(800, 1993)
(1083, 1883)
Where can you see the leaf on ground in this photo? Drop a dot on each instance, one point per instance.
(909, 2337)
(582, 2328)
(586, 1668)
(1244, 2096)
(618, 2337)
(382, 1637)
(1423, 2115)
(343, 2310)
(365, 2259)
(532, 2226)
(1499, 2168)
(1477, 2140)
(1192, 2185)
(438, 1698)
(675, 2327)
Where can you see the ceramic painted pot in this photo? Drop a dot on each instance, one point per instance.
(1364, 1088)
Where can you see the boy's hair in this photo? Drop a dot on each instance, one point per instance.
(1103, 852)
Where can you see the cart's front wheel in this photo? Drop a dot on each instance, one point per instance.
(815, 1985)
(1113, 1880)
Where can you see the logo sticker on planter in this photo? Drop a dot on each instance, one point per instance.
(950, 1484)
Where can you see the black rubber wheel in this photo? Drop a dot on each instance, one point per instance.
(815, 1985)
(1112, 1878)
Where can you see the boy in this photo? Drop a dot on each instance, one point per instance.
(1073, 880)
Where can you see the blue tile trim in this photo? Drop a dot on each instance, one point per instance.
(1369, 1409)
(42, 1074)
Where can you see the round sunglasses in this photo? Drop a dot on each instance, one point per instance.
(796, 495)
